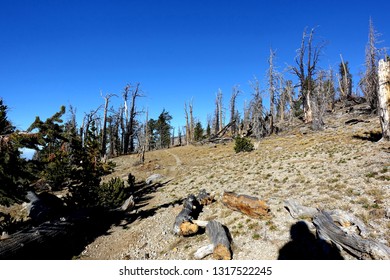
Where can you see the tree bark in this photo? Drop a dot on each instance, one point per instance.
(384, 98)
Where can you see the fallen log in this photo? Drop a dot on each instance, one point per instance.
(298, 211)
(248, 205)
(352, 243)
(184, 223)
(59, 236)
(345, 220)
(219, 240)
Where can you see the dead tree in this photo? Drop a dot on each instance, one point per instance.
(271, 83)
(104, 129)
(129, 121)
(345, 80)
(188, 130)
(192, 122)
(307, 60)
(384, 97)
(319, 102)
(257, 110)
(218, 116)
(369, 82)
(234, 118)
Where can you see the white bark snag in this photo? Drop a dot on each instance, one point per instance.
(384, 97)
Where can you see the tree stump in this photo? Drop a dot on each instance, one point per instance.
(220, 240)
(248, 205)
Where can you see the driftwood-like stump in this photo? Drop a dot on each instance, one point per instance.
(249, 205)
(334, 227)
(220, 241)
(354, 244)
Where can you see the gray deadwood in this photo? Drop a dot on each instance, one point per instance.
(185, 221)
(220, 240)
(335, 226)
(352, 243)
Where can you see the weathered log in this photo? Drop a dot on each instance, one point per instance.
(183, 223)
(345, 220)
(352, 243)
(249, 205)
(298, 211)
(42, 242)
(220, 240)
(57, 236)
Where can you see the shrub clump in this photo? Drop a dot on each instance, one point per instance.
(112, 194)
(243, 144)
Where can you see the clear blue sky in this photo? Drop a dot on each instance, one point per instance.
(55, 53)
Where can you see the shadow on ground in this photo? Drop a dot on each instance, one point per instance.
(305, 246)
(67, 237)
(369, 136)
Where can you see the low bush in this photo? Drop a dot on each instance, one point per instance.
(243, 144)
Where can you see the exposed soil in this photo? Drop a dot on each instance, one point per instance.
(341, 167)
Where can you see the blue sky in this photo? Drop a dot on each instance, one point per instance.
(55, 53)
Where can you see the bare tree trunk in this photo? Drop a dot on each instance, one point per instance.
(220, 110)
(305, 71)
(271, 83)
(233, 114)
(369, 83)
(104, 130)
(384, 97)
(188, 130)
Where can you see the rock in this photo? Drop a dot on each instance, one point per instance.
(154, 179)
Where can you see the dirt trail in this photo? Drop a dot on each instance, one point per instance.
(338, 168)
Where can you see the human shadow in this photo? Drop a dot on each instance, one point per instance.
(304, 245)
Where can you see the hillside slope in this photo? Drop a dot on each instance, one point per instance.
(341, 167)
